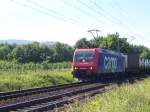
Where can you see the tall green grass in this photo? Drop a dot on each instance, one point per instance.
(127, 98)
(14, 80)
(12, 65)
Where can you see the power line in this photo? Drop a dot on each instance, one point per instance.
(98, 12)
(76, 7)
(49, 10)
(122, 25)
(67, 3)
(59, 16)
(105, 12)
(46, 11)
(121, 9)
(117, 20)
(106, 16)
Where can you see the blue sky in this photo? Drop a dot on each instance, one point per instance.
(68, 20)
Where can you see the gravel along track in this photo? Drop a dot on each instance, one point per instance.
(49, 106)
(40, 95)
(26, 95)
(14, 94)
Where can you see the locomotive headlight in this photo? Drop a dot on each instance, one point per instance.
(91, 68)
(75, 68)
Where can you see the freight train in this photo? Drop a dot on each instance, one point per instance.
(98, 63)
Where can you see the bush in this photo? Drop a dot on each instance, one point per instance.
(7, 65)
(15, 80)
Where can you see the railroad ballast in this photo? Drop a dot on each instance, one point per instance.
(98, 63)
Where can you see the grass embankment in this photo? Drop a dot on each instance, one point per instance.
(14, 80)
(13, 65)
(127, 98)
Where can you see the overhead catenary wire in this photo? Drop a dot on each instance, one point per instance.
(117, 19)
(49, 12)
(111, 16)
(46, 11)
(39, 10)
(119, 9)
(125, 13)
(83, 11)
(105, 13)
(98, 12)
(101, 13)
(91, 15)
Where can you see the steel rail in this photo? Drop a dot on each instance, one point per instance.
(48, 99)
(59, 103)
(15, 94)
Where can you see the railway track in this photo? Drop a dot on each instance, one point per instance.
(48, 98)
(57, 96)
(15, 94)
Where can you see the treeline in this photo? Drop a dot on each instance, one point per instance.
(36, 53)
(110, 42)
(60, 52)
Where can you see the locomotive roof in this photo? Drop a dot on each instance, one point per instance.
(100, 50)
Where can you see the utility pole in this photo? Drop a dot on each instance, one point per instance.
(92, 32)
(118, 46)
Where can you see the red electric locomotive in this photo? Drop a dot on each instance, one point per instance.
(97, 62)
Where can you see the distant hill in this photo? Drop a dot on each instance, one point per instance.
(23, 42)
(47, 43)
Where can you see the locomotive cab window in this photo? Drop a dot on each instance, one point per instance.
(86, 55)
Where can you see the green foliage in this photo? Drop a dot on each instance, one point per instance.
(59, 52)
(110, 42)
(14, 80)
(4, 52)
(45, 65)
(82, 43)
(36, 53)
(62, 52)
(145, 53)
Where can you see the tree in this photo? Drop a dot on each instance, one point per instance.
(62, 52)
(83, 43)
(4, 52)
(18, 54)
(27, 53)
(145, 53)
(46, 53)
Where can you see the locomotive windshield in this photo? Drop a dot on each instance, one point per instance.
(86, 55)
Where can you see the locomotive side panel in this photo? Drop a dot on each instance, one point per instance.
(111, 63)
